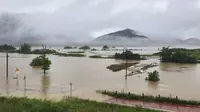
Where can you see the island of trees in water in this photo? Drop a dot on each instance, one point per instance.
(128, 55)
(179, 55)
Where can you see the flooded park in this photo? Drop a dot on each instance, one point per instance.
(88, 75)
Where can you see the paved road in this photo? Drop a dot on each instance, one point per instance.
(158, 106)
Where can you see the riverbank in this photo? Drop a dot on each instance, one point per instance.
(148, 98)
(14, 104)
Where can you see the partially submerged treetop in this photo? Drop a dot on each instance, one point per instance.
(127, 55)
(85, 47)
(25, 48)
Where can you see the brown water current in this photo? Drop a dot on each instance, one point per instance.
(88, 75)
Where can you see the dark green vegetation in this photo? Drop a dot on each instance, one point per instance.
(105, 47)
(45, 63)
(127, 55)
(14, 104)
(68, 47)
(121, 66)
(40, 51)
(100, 57)
(179, 55)
(5, 47)
(85, 47)
(42, 61)
(36, 61)
(161, 99)
(93, 49)
(153, 76)
(25, 49)
(70, 54)
(76, 52)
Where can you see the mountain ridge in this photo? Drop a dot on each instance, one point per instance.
(126, 33)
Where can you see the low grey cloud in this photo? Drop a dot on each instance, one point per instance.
(82, 20)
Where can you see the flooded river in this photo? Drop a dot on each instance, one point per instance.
(88, 75)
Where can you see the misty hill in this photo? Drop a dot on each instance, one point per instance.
(122, 37)
(13, 30)
(126, 33)
(191, 41)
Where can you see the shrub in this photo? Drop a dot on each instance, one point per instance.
(68, 47)
(36, 61)
(105, 47)
(85, 47)
(93, 49)
(153, 76)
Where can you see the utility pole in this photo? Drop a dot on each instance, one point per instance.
(126, 69)
(70, 89)
(7, 65)
(24, 85)
(44, 55)
(126, 64)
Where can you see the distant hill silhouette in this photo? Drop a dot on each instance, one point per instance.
(126, 33)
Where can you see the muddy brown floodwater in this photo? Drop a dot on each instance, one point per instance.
(88, 75)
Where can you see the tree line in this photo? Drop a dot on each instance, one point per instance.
(178, 55)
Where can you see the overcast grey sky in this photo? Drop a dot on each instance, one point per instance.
(84, 19)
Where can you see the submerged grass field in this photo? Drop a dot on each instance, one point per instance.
(14, 104)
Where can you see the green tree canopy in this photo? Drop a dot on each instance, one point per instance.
(105, 47)
(25, 48)
(177, 55)
(127, 55)
(153, 76)
(41, 61)
(85, 47)
(6, 47)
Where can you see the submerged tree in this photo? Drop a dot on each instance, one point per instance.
(45, 64)
(105, 47)
(85, 47)
(6, 47)
(153, 76)
(25, 48)
(128, 55)
(42, 61)
(166, 54)
(177, 55)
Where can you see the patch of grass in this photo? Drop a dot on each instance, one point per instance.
(121, 66)
(40, 51)
(70, 55)
(76, 52)
(100, 57)
(13, 104)
(128, 55)
(148, 55)
(148, 98)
